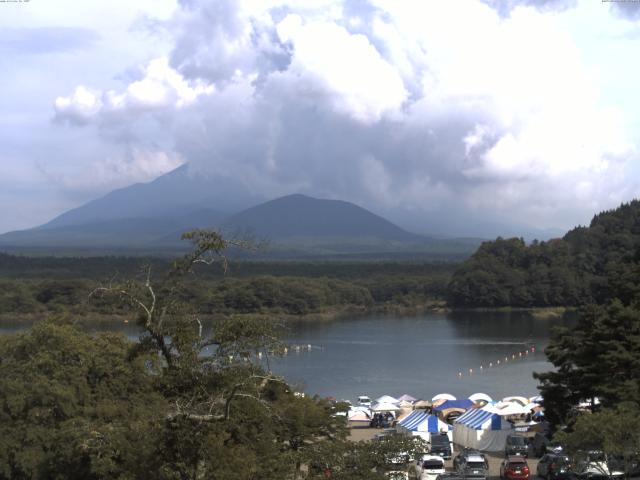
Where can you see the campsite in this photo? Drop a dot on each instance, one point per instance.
(474, 423)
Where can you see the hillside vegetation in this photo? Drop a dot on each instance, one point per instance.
(581, 267)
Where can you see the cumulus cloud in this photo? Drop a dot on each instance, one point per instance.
(407, 107)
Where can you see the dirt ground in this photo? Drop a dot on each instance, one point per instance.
(360, 434)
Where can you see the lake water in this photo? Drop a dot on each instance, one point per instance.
(422, 355)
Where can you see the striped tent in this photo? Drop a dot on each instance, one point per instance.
(481, 428)
(421, 421)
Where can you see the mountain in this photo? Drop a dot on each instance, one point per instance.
(302, 217)
(173, 194)
(151, 218)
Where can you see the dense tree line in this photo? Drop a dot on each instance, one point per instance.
(354, 286)
(578, 269)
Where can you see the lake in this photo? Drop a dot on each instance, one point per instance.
(420, 355)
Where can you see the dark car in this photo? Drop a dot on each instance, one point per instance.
(440, 445)
(464, 453)
(540, 444)
(473, 466)
(516, 445)
(514, 468)
(554, 467)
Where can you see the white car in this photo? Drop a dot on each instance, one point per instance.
(428, 467)
(364, 401)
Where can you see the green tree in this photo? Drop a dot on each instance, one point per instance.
(614, 432)
(598, 358)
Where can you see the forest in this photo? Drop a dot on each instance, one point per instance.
(32, 286)
(585, 266)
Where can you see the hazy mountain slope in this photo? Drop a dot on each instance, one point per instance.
(121, 232)
(169, 195)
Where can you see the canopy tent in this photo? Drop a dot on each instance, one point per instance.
(480, 397)
(481, 428)
(385, 407)
(443, 396)
(510, 408)
(463, 404)
(419, 421)
(387, 399)
(521, 400)
(359, 417)
(422, 424)
(406, 398)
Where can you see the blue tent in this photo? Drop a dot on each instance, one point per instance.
(421, 421)
(477, 418)
(464, 403)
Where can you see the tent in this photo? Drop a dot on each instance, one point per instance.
(420, 423)
(463, 404)
(406, 398)
(386, 399)
(521, 400)
(511, 408)
(359, 417)
(483, 429)
(443, 396)
(480, 397)
(384, 407)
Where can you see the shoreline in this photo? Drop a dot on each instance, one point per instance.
(353, 312)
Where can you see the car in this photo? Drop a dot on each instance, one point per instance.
(514, 467)
(428, 467)
(541, 444)
(516, 445)
(473, 466)
(554, 467)
(364, 401)
(440, 445)
(464, 453)
(596, 470)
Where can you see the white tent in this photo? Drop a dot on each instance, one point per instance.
(511, 408)
(359, 417)
(385, 407)
(443, 396)
(481, 428)
(406, 398)
(387, 399)
(521, 400)
(480, 397)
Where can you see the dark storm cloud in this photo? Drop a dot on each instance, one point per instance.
(45, 40)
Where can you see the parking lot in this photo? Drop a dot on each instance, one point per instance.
(495, 459)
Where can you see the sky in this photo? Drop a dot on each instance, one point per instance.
(437, 114)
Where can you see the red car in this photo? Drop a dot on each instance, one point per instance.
(514, 468)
